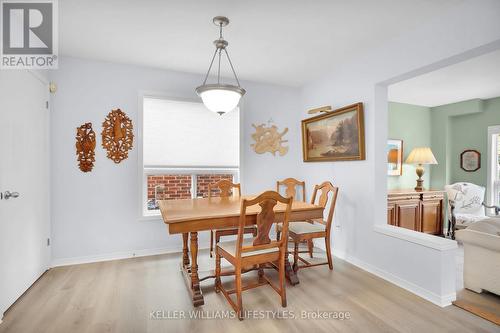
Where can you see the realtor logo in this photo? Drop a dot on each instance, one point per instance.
(29, 39)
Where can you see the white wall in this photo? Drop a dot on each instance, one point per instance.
(362, 199)
(95, 215)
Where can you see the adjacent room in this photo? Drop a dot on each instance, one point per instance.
(178, 166)
(443, 169)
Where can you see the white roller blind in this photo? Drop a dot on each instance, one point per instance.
(186, 134)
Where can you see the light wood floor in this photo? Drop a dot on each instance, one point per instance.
(118, 296)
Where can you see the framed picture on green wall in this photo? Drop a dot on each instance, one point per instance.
(470, 160)
(394, 157)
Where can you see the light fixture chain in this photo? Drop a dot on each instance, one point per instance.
(232, 68)
(210, 67)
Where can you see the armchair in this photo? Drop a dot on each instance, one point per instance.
(465, 206)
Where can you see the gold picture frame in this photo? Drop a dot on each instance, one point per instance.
(338, 135)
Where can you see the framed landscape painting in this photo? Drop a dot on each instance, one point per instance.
(394, 157)
(335, 136)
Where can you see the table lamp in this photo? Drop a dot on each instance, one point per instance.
(421, 156)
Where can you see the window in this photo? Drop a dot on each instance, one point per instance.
(494, 165)
(185, 147)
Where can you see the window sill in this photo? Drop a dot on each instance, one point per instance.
(430, 241)
(155, 217)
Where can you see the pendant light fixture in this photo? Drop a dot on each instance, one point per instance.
(219, 97)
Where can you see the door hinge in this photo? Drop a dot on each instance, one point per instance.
(48, 241)
(47, 104)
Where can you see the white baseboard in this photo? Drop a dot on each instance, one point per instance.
(434, 298)
(113, 256)
(441, 301)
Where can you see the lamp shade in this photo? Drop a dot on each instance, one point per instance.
(421, 155)
(393, 156)
(220, 98)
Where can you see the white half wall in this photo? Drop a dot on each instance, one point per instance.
(403, 259)
(95, 215)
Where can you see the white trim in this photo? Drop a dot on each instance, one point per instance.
(434, 298)
(409, 286)
(430, 241)
(151, 218)
(492, 166)
(189, 171)
(430, 296)
(116, 256)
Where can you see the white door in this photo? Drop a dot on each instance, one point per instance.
(24, 168)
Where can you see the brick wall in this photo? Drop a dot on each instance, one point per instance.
(204, 180)
(171, 186)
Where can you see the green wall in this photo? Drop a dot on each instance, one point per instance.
(448, 129)
(410, 123)
(470, 131)
(443, 145)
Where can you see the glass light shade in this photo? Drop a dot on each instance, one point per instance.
(220, 98)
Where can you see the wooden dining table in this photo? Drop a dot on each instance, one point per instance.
(189, 216)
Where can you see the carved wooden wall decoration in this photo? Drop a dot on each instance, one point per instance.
(268, 139)
(85, 147)
(117, 135)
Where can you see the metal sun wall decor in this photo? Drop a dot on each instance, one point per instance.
(268, 139)
(85, 147)
(117, 135)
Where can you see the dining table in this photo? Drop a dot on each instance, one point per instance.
(190, 216)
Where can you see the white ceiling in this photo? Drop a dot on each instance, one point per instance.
(475, 78)
(288, 42)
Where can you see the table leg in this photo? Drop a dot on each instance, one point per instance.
(195, 280)
(185, 251)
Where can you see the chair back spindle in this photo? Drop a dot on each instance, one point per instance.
(326, 188)
(265, 219)
(291, 185)
(225, 187)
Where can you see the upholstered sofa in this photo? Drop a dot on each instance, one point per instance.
(481, 242)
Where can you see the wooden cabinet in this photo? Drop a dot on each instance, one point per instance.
(419, 211)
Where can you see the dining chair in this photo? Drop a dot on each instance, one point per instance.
(317, 228)
(256, 251)
(291, 185)
(226, 189)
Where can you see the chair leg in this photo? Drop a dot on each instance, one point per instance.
(217, 239)
(239, 302)
(217, 271)
(261, 273)
(295, 256)
(282, 279)
(211, 243)
(310, 246)
(329, 252)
